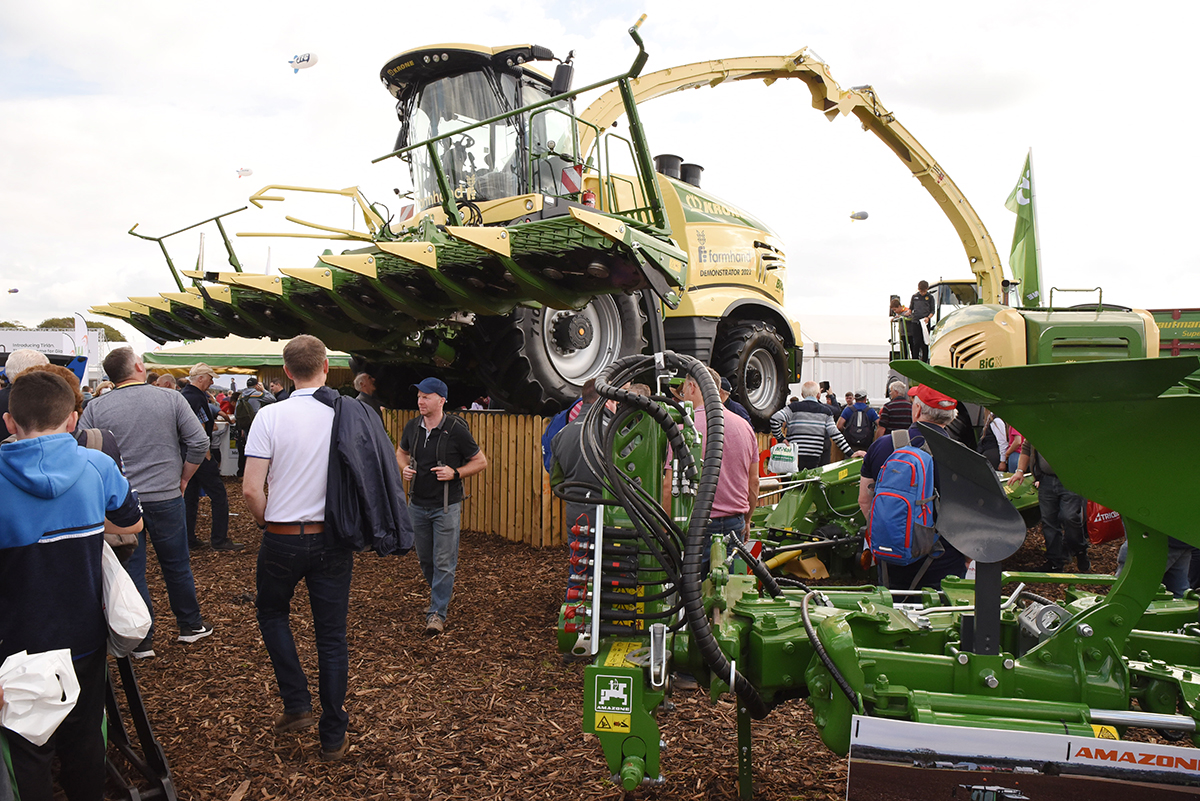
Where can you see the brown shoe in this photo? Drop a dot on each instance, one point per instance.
(434, 626)
(337, 753)
(294, 721)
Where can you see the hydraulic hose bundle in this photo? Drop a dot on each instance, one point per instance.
(652, 522)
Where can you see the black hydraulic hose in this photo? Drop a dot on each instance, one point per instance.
(824, 656)
(1038, 598)
(761, 571)
(608, 386)
(787, 581)
(693, 556)
(625, 614)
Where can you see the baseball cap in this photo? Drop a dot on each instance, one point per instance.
(432, 386)
(201, 369)
(860, 393)
(725, 385)
(932, 398)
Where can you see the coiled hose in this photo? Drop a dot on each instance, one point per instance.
(693, 557)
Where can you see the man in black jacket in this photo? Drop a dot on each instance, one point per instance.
(208, 474)
(920, 317)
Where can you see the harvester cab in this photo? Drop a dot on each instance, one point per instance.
(442, 90)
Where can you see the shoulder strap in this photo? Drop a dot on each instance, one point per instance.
(95, 439)
(448, 425)
(900, 438)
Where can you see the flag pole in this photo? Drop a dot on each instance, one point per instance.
(1037, 237)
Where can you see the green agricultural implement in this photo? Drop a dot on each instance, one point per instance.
(982, 654)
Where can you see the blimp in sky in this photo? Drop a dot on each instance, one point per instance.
(858, 215)
(302, 61)
(13, 291)
(243, 172)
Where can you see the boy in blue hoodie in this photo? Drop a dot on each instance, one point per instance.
(55, 497)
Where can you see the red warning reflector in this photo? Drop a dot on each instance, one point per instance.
(572, 178)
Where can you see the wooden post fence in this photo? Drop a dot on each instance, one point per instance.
(512, 498)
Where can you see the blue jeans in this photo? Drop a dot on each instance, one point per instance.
(436, 540)
(1062, 521)
(283, 560)
(166, 528)
(1179, 563)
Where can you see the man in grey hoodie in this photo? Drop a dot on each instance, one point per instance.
(162, 444)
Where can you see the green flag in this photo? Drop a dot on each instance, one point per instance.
(1024, 258)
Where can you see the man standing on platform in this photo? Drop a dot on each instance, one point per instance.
(436, 452)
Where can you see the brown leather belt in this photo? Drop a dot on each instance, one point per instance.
(296, 528)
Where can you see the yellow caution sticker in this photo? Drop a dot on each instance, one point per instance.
(609, 722)
(616, 654)
(1104, 732)
(843, 474)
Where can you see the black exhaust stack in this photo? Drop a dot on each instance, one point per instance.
(668, 165)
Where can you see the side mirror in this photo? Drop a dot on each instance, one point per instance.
(564, 74)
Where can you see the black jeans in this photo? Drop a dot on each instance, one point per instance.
(283, 560)
(917, 347)
(78, 741)
(208, 478)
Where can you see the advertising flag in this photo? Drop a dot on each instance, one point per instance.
(1025, 257)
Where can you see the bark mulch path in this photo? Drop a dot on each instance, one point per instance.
(486, 711)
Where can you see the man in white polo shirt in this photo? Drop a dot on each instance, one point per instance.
(288, 447)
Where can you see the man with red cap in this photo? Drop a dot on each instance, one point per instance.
(934, 409)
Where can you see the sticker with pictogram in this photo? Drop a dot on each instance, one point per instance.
(611, 722)
(614, 694)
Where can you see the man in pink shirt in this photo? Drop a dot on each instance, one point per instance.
(737, 477)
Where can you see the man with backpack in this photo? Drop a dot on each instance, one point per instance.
(253, 398)
(897, 494)
(436, 453)
(857, 422)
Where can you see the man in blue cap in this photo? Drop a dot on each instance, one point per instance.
(436, 452)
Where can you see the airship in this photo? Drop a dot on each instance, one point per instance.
(243, 172)
(302, 61)
(858, 215)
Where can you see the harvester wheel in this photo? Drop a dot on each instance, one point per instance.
(539, 358)
(751, 354)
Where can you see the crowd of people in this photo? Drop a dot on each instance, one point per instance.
(122, 466)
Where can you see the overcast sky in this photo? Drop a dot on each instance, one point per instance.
(136, 112)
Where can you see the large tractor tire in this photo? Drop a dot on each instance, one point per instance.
(751, 354)
(537, 359)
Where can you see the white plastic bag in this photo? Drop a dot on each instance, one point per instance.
(783, 459)
(128, 617)
(39, 691)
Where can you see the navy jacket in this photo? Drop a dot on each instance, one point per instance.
(365, 505)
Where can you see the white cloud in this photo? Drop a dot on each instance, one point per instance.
(142, 112)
